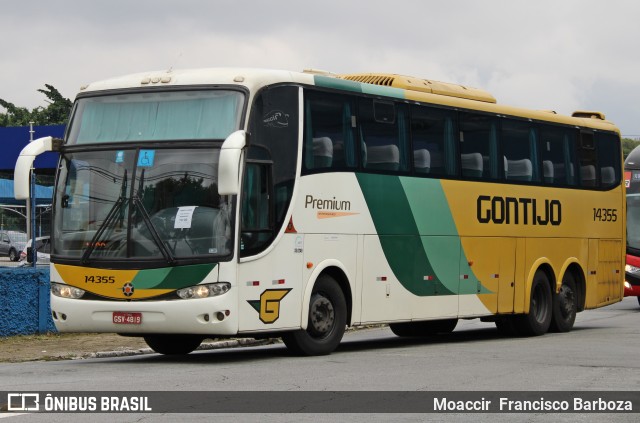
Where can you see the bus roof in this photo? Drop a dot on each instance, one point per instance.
(632, 162)
(389, 85)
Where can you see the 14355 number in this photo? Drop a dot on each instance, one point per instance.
(99, 279)
(605, 215)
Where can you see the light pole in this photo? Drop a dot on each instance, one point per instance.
(31, 207)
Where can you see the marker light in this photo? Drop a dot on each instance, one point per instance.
(204, 291)
(66, 291)
(631, 269)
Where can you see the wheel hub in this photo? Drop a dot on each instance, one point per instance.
(322, 315)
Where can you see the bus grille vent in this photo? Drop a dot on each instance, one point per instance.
(387, 81)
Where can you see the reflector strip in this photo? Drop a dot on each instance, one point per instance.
(464, 276)
(253, 283)
(278, 282)
(429, 278)
(381, 278)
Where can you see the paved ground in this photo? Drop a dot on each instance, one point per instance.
(5, 262)
(54, 346)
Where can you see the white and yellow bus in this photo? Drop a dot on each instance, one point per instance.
(239, 202)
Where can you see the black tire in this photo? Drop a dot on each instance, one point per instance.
(173, 344)
(13, 255)
(538, 320)
(565, 305)
(327, 321)
(428, 328)
(507, 326)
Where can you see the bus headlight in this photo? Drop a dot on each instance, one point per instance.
(204, 291)
(66, 291)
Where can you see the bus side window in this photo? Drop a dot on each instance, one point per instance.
(433, 141)
(519, 147)
(478, 138)
(256, 206)
(607, 146)
(588, 163)
(329, 140)
(383, 130)
(557, 153)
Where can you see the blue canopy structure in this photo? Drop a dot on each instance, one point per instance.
(44, 195)
(14, 139)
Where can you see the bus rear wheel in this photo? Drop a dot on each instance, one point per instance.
(173, 344)
(565, 305)
(538, 320)
(327, 321)
(427, 328)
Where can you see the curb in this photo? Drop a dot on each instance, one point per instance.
(213, 345)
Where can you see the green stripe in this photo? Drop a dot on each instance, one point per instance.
(358, 87)
(172, 277)
(418, 234)
(338, 84)
(383, 91)
(398, 233)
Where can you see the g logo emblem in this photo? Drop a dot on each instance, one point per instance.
(268, 306)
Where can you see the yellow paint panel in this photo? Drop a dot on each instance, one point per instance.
(492, 262)
(503, 210)
(104, 282)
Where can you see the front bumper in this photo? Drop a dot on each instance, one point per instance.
(207, 316)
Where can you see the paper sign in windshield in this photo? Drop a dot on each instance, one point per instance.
(184, 216)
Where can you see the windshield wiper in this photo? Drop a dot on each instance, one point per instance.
(137, 202)
(111, 216)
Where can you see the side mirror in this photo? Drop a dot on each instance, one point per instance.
(29, 255)
(229, 163)
(25, 162)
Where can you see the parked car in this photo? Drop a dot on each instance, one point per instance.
(11, 243)
(43, 247)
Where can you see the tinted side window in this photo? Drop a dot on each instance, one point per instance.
(328, 136)
(479, 147)
(608, 147)
(274, 142)
(557, 153)
(520, 151)
(384, 138)
(434, 141)
(587, 160)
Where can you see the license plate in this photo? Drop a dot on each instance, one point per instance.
(124, 318)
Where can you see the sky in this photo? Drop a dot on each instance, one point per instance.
(561, 55)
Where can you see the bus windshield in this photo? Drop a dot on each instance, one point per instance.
(633, 211)
(156, 116)
(143, 204)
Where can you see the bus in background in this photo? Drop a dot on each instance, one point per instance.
(632, 182)
(239, 202)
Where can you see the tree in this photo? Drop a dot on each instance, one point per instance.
(628, 145)
(57, 112)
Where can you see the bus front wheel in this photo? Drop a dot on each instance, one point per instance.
(173, 344)
(538, 320)
(327, 321)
